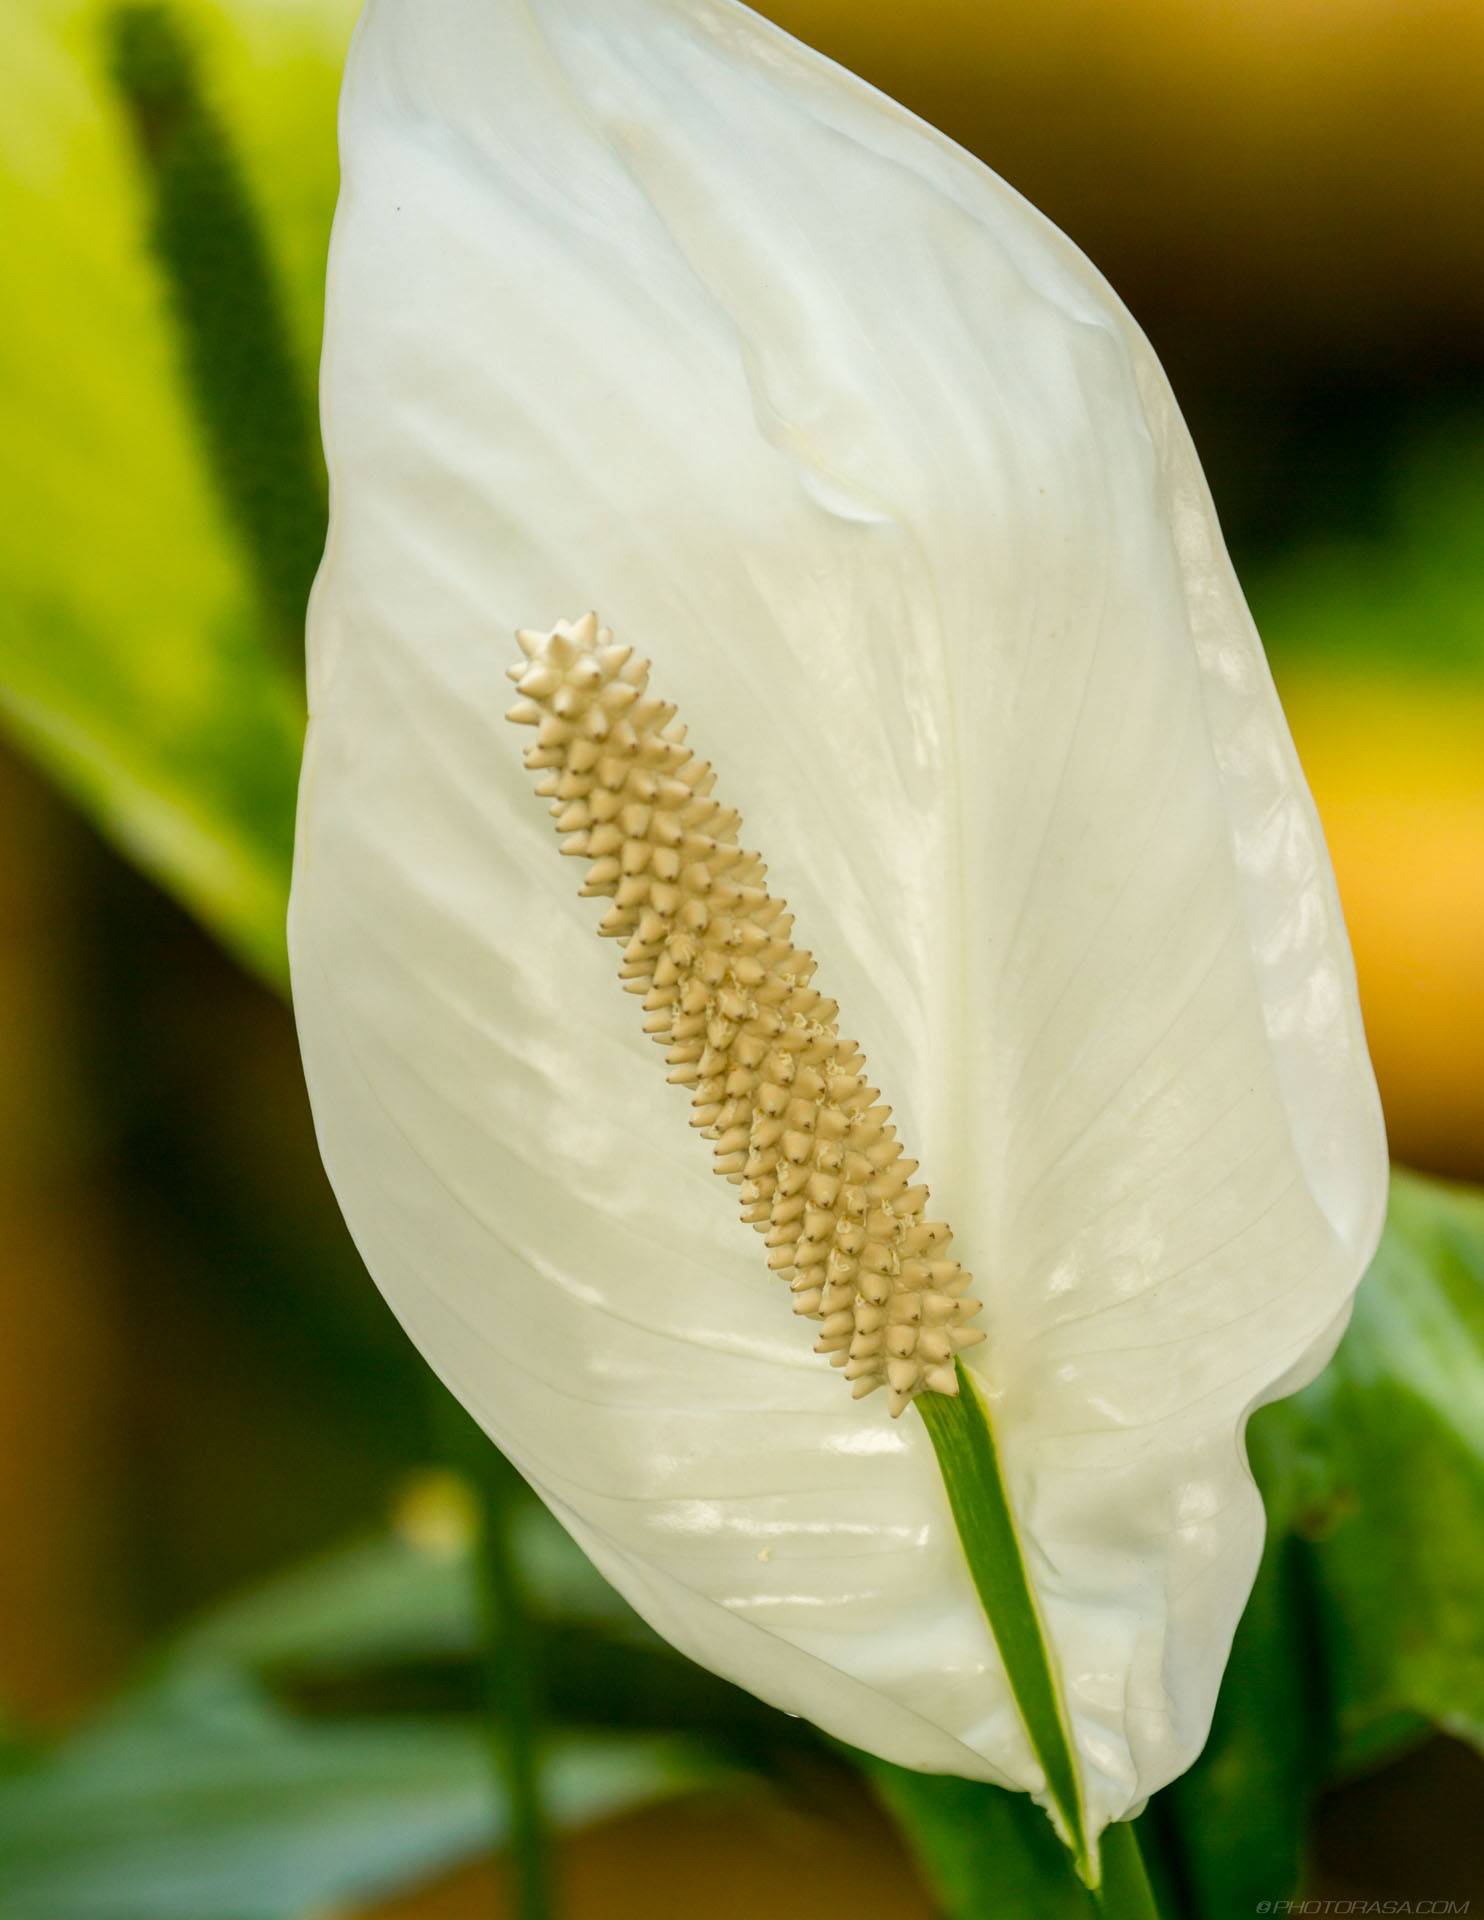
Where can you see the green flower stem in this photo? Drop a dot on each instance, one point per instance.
(514, 1689)
(964, 1443)
(514, 1686)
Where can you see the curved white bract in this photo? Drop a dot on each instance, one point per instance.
(636, 305)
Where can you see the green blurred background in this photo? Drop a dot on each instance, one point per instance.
(197, 1382)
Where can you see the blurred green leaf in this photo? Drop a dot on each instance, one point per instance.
(204, 1795)
(133, 663)
(198, 1800)
(204, 1803)
(191, 774)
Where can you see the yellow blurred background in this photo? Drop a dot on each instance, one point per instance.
(1288, 195)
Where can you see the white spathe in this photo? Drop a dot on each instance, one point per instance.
(637, 305)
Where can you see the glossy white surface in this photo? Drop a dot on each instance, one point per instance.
(637, 305)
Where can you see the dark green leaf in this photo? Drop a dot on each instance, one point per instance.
(1386, 1453)
(1363, 1631)
(986, 1854)
(1235, 1824)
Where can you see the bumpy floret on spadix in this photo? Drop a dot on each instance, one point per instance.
(821, 1173)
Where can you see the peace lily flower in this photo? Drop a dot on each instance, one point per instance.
(638, 306)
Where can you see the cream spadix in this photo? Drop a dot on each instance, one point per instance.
(637, 305)
(783, 1096)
